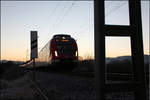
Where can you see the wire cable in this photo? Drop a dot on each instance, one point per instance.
(66, 12)
(57, 19)
(114, 9)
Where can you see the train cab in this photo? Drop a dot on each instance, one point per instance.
(63, 48)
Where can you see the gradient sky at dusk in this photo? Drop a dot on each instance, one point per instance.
(76, 18)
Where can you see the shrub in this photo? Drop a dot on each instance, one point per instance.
(10, 71)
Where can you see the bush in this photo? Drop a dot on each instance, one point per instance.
(10, 71)
(117, 66)
(85, 66)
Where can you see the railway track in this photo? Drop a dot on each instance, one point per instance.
(40, 94)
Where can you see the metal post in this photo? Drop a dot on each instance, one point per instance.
(135, 32)
(99, 21)
(137, 48)
(34, 70)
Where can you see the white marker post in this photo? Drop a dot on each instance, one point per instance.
(34, 50)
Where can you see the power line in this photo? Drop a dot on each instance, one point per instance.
(54, 9)
(112, 10)
(54, 24)
(69, 8)
(66, 12)
(116, 8)
(61, 20)
(51, 14)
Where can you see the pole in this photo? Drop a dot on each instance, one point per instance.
(137, 48)
(34, 70)
(99, 21)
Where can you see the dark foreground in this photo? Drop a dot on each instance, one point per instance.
(57, 84)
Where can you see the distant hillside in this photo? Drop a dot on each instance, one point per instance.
(122, 64)
(13, 62)
(108, 60)
(122, 58)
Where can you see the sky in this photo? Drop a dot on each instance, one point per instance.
(76, 18)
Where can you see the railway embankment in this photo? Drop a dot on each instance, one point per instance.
(59, 84)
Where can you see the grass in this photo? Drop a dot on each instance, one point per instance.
(10, 71)
(14, 77)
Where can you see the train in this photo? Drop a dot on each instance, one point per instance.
(62, 48)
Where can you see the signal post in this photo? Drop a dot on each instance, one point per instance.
(134, 31)
(34, 51)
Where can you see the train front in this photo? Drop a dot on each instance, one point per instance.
(63, 48)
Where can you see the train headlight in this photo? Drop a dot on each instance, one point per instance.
(76, 54)
(56, 53)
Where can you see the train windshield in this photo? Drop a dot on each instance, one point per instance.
(65, 46)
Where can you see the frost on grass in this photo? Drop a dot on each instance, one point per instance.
(19, 89)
